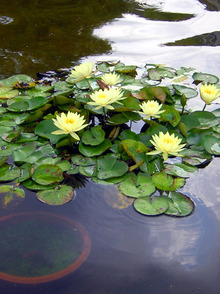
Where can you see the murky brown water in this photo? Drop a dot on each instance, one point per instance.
(130, 253)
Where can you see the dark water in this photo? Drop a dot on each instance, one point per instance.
(130, 253)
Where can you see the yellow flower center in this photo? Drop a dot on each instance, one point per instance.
(167, 141)
(208, 91)
(70, 121)
(102, 96)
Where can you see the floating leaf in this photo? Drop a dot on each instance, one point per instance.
(31, 185)
(47, 174)
(180, 170)
(211, 144)
(91, 151)
(16, 78)
(134, 149)
(3, 159)
(136, 186)
(148, 206)
(10, 197)
(187, 91)
(196, 157)
(171, 115)
(45, 128)
(159, 73)
(166, 182)
(9, 172)
(57, 196)
(94, 136)
(205, 78)
(8, 92)
(207, 119)
(179, 205)
(109, 166)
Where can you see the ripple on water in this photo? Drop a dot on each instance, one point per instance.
(5, 19)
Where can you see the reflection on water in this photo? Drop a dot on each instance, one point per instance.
(130, 253)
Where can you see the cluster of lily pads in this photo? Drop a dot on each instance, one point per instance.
(94, 122)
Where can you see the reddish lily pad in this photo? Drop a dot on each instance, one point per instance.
(58, 196)
(48, 174)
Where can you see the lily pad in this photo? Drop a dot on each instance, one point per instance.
(205, 78)
(165, 182)
(94, 136)
(188, 92)
(91, 151)
(179, 205)
(148, 206)
(10, 197)
(211, 144)
(109, 166)
(9, 172)
(137, 185)
(32, 185)
(135, 149)
(171, 115)
(57, 196)
(180, 170)
(196, 157)
(47, 174)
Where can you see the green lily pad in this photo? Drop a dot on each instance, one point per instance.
(148, 206)
(7, 92)
(158, 73)
(207, 119)
(9, 172)
(211, 144)
(166, 182)
(12, 135)
(57, 196)
(47, 174)
(83, 161)
(26, 171)
(137, 185)
(180, 170)
(10, 197)
(109, 166)
(45, 128)
(16, 78)
(94, 136)
(91, 151)
(135, 149)
(171, 115)
(196, 157)
(186, 91)
(32, 185)
(179, 205)
(3, 159)
(205, 78)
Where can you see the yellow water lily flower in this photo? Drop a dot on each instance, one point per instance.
(111, 79)
(82, 71)
(209, 93)
(151, 108)
(166, 144)
(106, 97)
(69, 123)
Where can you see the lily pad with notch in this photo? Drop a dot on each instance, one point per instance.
(137, 185)
(48, 174)
(57, 196)
(151, 207)
(179, 205)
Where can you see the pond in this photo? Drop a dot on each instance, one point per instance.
(126, 252)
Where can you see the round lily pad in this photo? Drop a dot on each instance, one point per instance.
(58, 196)
(8, 172)
(48, 174)
(166, 182)
(179, 205)
(10, 197)
(148, 206)
(136, 186)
